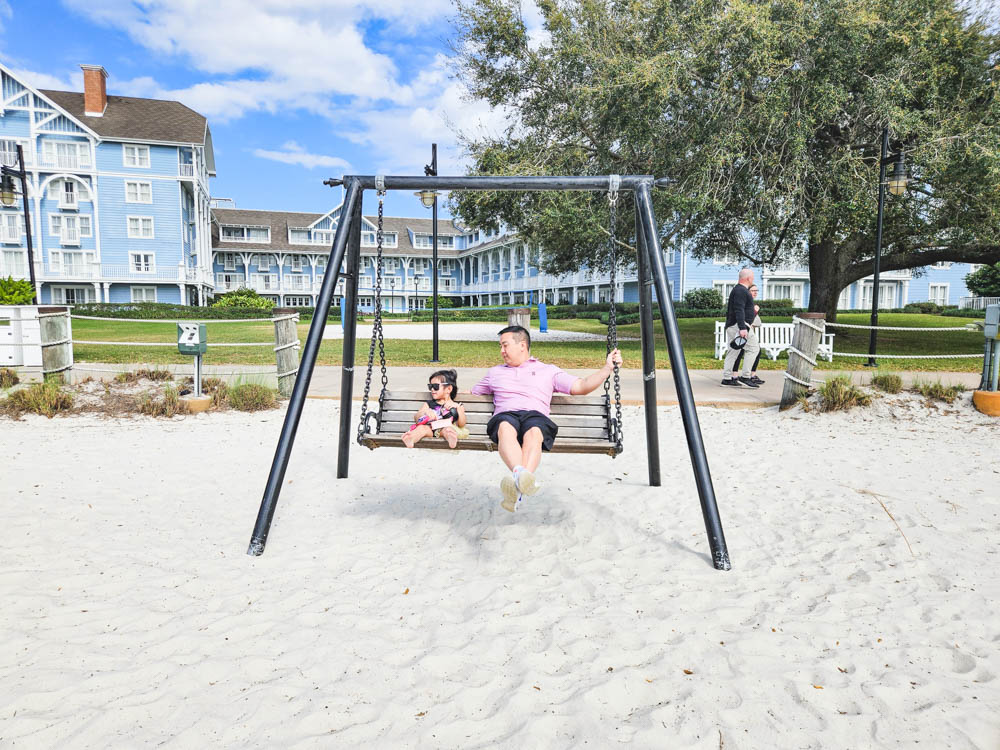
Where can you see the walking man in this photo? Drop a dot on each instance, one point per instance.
(522, 389)
(739, 319)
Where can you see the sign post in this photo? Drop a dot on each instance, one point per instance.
(193, 340)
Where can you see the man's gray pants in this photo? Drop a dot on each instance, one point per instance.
(750, 351)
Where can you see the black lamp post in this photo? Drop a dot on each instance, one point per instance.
(8, 196)
(897, 186)
(392, 294)
(430, 200)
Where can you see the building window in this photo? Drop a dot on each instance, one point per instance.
(138, 192)
(262, 261)
(725, 258)
(942, 264)
(427, 241)
(844, 301)
(144, 294)
(794, 292)
(298, 301)
(67, 196)
(142, 262)
(886, 296)
(671, 256)
(11, 228)
(72, 295)
(724, 288)
(135, 156)
(246, 234)
(297, 262)
(8, 152)
(140, 227)
(938, 294)
(14, 263)
(228, 261)
(446, 265)
(69, 229)
(66, 154)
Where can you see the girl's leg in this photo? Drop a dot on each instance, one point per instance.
(449, 434)
(414, 436)
(756, 362)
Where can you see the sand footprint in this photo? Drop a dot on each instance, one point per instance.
(962, 663)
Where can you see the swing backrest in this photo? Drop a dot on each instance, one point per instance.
(584, 422)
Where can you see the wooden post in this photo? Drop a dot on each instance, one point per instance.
(520, 316)
(57, 344)
(286, 347)
(806, 337)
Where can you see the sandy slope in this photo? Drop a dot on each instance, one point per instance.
(404, 608)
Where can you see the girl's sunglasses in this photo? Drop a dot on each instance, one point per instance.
(435, 386)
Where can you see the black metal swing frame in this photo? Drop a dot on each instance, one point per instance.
(651, 271)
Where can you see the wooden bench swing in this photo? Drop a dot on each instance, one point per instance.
(586, 424)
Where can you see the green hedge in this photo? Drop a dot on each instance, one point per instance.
(164, 311)
(966, 313)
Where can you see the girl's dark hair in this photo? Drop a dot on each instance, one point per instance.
(450, 377)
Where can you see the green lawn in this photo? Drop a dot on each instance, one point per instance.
(696, 334)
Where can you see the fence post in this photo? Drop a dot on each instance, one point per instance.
(286, 347)
(806, 337)
(57, 341)
(519, 316)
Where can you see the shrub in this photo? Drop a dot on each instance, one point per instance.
(704, 299)
(8, 378)
(167, 406)
(926, 308)
(840, 393)
(47, 399)
(888, 382)
(166, 311)
(15, 292)
(938, 390)
(966, 312)
(252, 397)
(243, 297)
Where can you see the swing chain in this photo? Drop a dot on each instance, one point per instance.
(376, 329)
(612, 343)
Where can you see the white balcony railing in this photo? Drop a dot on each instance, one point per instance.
(185, 170)
(966, 303)
(69, 235)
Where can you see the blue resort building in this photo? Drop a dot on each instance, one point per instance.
(117, 193)
(283, 256)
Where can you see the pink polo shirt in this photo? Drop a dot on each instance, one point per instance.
(525, 388)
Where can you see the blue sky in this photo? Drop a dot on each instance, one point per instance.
(295, 90)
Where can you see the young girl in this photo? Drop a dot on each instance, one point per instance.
(441, 405)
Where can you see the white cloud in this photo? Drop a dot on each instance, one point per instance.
(292, 153)
(72, 82)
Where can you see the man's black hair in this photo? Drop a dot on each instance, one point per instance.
(520, 334)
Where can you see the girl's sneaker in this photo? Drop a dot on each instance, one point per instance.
(526, 482)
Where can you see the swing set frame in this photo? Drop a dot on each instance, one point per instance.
(651, 273)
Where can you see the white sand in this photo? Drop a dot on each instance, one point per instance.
(132, 618)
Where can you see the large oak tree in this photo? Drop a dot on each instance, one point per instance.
(765, 116)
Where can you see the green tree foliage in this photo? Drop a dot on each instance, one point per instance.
(765, 116)
(985, 281)
(243, 297)
(704, 299)
(15, 292)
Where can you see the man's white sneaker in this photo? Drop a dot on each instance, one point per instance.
(511, 496)
(527, 483)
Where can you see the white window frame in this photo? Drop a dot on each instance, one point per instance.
(726, 259)
(844, 300)
(886, 289)
(227, 261)
(143, 290)
(81, 159)
(12, 228)
(69, 196)
(59, 227)
(298, 301)
(8, 151)
(140, 256)
(139, 185)
(262, 261)
(141, 223)
(297, 262)
(446, 265)
(724, 288)
(16, 263)
(930, 292)
(390, 265)
(942, 264)
(59, 294)
(141, 156)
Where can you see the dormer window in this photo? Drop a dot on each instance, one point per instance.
(258, 234)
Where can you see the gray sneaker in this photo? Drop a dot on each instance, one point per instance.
(511, 496)
(732, 381)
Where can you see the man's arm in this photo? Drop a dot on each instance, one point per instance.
(483, 387)
(741, 310)
(592, 382)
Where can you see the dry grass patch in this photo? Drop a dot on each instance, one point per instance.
(167, 405)
(251, 397)
(840, 394)
(8, 378)
(888, 382)
(47, 399)
(134, 376)
(938, 391)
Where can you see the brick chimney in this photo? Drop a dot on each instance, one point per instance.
(95, 92)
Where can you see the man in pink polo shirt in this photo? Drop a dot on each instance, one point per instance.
(522, 389)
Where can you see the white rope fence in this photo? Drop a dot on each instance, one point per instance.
(970, 328)
(173, 322)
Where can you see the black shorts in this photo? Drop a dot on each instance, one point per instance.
(524, 421)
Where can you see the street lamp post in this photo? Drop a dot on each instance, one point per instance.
(392, 294)
(429, 199)
(8, 196)
(897, 186)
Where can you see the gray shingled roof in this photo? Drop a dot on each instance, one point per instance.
(280, 221)
(137, 119)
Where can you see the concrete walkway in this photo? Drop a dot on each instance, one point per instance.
(705, 384)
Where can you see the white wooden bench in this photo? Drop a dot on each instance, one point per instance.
(774, 339)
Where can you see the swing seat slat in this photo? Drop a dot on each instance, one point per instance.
(584, 423)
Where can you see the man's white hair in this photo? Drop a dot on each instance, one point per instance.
(745, 273)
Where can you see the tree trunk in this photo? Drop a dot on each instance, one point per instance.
(824, 279)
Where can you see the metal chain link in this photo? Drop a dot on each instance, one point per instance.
(613, 325)
(376, 329)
